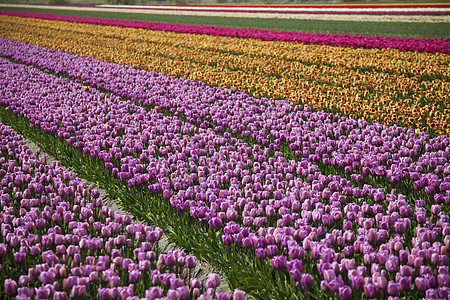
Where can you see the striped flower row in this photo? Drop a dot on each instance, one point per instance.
(405, 44)
(389, 86)
(383, 10)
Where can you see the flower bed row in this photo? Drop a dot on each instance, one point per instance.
(405, 44)
(289, 195)
(212, 108)
(314, 6)
(334, 80)
(220, 113)
(408, 10)
(58, 240)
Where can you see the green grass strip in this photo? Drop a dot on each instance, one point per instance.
(387, 29)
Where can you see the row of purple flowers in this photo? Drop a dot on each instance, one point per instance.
(58, 240)
(344, 40)
(394, 153)
(219, 179)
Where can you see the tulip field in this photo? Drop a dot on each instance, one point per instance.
(298, 165)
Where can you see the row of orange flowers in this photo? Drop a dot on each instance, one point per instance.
(387, 85)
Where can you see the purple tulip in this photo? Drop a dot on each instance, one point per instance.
(145, 265)
(190, 261)
(345, 292)
(278, 262)
(307, 282)
(405, 283)
(357, 282)
(238, 295)
(3, 250)
(222, 296)
(47, 277)
(134, 276)
(60, 296)
(227, 239)
(20, 258)
(153, 293)
(195, 283)
(10, 287)
(443, 280)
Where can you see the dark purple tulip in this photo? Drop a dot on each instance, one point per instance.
(238, 295)
(348, 251)
(329, 275)
(61, 249)
(222, 296)
(393, 288)
(400, 227)
(435, 209)
(214, 279)
(195, 283)
(227, 239)
(43, 292)
(405, 283)
(357, 282)
(345, 292)
(443, 280)
(190, 261)
(95, 193)
(23, 280)
(296, 275)
(93, 277)
(3, 250)
(271, 250)
(60, 296)
(134, 276)
(421, 284)
(431, 280)
(40, 223)
(392, 264)
(14, 241)
(260, 253)
(114, 281)
(247, 242)
(47, 277)
(335, 284)
(10, 287)
(278, 262)
(406, 271)
(370, 290)
(307, 281)
(372, 236)
(153, 293)
(170, 260)
(215, 222)
(196, 293)
(145, 265)
(20, 258)
(175, 283)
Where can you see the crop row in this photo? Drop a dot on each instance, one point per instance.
(272, 190)
(242, 115)
(409, 88)
(59, 240)
(345, 40)
(377, 10)
(422, 63)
